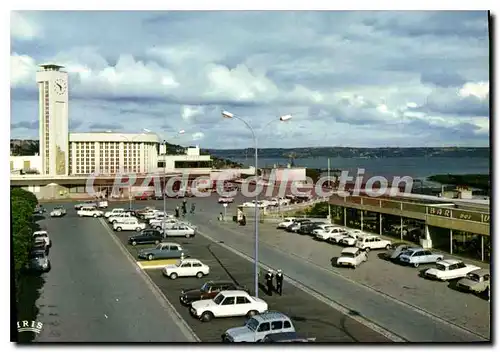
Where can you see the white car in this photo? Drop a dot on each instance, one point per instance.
(286, 222)
(321, 228)
(180, 230)
(103, 204)
(38, 235)
(58, 212)
(352, 257)
(329, 232)
(90, 211)
(450, 269)
(350, 239)
(151, 214)
(129, 225)
(228, 304)
(186, 268)
(369, 242)
(121, 216)
(260, 204)
(113, 212)
(159, 224)
(226, 200)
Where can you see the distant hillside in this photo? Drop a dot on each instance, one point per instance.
(345, 152)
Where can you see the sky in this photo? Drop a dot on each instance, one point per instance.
(348, 78)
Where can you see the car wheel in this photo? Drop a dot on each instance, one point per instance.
(118, 229)
(367, 249)
(95, 215)
(252, 313)
(258, 341)
(156, 242)
(134, 243)
(150, 257)
(439, 259)
(113, 221)
(388, 247)
(199, 274)
(138, 229)
(188, 235)
(207, 316)
(158, 228)
(173, 276)
(354, 266)
(416, 265)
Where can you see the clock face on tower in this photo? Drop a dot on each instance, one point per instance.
(60, 86)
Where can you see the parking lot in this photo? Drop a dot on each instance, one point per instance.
(401, 282)
(311, 317)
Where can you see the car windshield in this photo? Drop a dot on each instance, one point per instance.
(441, 267)
(473, 277)
(205, 287)
(219, 299)
(252, 324)
(40, 235)
(348, 255)
(37, 255)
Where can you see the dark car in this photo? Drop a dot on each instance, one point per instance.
(39, 209)
(297, 224)
(308, 228)
(209, 290)
(143, 196)
(146, 237)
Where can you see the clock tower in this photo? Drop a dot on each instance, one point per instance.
(53, 118)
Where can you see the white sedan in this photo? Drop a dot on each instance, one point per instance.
(329, 232)
(58, 212)
(450, 269)
(352, 257)
(228, 304)
(186, 268)
(226, 200)
(285, 223)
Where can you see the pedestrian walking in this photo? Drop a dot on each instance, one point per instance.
(269, 282)
(177, 212)
(184, 206)
(192, 208)
(279, 282)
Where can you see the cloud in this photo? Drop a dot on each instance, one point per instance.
(23, 27)
(197, 136)
(342, 75)
(105, 126)
(29, 125)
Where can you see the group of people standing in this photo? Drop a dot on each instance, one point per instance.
(183, 208)
(270, 276)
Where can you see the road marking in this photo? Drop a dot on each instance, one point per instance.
(177, 318)
(341, 308)
(374, 290)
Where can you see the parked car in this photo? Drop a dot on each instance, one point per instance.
(114, 212)
(180, 230)
(337, 236)
(42, 235)
(58, 212)
(40, 245)
(397, 249)
(167, 250)
(92, 203)
(321, 228)
(352, 257)
(143, 196)
(258, 327)
(39, 209)
(228, 304)
(477, 281)
(89, 212)
(308, 228)
(158, 196)
(333, 231)
(369, 242)
(417, 256)
(186, 268)
(226, 200)
(208, 290)
(165, 223)
(297, 224)
(120, 216)
(450, 269)
(260, 204)
(146, 236)
(151, 214)
(131, 224)
(38, 261)
(284, 337)
(350, 238)
(285, 223)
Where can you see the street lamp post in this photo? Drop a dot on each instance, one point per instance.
(228, 115)
(164, 192)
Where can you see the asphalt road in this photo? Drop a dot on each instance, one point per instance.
(94, 294)
(386, 302)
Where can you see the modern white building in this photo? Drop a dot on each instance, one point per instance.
(62, 153)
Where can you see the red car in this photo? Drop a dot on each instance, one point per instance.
(143, 196)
